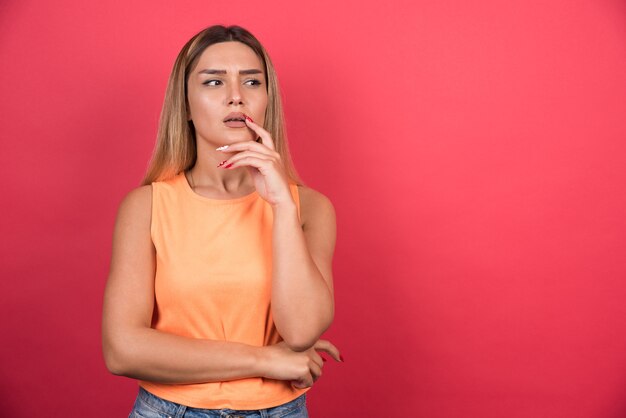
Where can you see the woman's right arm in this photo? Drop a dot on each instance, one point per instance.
(132, 348)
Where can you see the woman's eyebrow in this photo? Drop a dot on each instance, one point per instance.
(212, 71)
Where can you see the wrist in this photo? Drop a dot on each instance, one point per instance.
(260, 361)
(285, 207)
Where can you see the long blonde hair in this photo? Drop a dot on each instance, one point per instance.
(175, 149)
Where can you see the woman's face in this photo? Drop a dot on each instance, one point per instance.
(228, 78)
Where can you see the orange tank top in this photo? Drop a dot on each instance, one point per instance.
(213, 281)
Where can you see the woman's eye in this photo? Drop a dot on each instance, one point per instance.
(253, 82)
(209, 82)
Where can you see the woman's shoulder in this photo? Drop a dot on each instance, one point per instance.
(314, 206)
(139, 195)
(137, 204)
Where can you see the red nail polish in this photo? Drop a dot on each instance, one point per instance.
(341, 358)
(220, 164)
(249, 118)
(229, 165)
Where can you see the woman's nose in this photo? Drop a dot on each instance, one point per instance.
(234, 96)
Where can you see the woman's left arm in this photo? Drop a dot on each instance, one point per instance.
(302, 282)
(302, 285)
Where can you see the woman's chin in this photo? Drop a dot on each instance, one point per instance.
(230, 138)
(235, 140)
(239, 135)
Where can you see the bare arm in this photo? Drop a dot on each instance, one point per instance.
(131, 347)
(302, 287)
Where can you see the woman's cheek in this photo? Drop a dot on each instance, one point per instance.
(203, 127)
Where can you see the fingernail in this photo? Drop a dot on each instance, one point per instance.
(249, 118)
(341, 358)
(229, 165)
(220, 164)
(221, 148)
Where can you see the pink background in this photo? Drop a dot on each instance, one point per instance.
(474, 152)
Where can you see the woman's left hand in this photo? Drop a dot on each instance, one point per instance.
(264, 164)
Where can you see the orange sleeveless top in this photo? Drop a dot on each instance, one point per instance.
(213, 281)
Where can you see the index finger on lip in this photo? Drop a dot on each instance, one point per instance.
(265, 136)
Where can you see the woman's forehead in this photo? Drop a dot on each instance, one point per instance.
(228, 56)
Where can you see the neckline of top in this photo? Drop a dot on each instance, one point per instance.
(197, 196)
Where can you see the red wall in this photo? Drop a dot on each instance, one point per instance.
(474, 152)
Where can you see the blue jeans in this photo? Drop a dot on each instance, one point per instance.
(148, 405)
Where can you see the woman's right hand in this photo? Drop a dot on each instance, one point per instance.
(302, 368)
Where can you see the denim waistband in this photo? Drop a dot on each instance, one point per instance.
(173, 409)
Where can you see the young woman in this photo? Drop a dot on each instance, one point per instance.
(221, 279)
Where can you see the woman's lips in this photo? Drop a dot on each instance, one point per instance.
(235, 124)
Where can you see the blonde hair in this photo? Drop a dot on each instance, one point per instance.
(175, 148)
